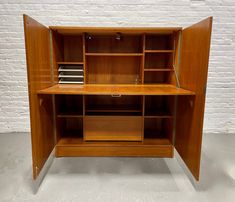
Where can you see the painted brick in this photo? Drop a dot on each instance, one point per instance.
(220, 103)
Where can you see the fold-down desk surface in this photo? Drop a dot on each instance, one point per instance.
(114, 89)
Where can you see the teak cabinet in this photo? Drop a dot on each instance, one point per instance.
(117, 91)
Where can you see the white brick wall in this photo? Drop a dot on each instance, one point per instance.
(220, 109)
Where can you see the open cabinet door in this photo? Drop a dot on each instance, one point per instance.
(195, 47)
(37, 43)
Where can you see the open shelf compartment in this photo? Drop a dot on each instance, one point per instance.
(113, 70)
(69, 105)
(113, 43)
(159, 106)
(113, 105)
(68, 48)
(159, 42)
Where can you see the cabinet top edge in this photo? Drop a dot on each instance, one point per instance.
(129, 30)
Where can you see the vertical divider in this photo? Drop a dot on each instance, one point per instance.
(143, 59)
(83, 113)
(84, 57)
(177, 42)
(143, 113)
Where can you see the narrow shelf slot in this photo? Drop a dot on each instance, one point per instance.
(159, 70)
(69, 70)
(69, 115)
(70, 63)
(114, 54)
(159, 51)
(71, 73)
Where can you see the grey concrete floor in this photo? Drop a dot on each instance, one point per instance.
(118, 179)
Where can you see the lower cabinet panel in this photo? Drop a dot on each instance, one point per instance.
(124, 151)
(113, 128)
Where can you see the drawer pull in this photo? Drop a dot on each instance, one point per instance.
(116, 95)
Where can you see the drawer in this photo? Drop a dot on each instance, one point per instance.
(113, 128)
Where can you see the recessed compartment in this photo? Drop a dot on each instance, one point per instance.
(115, 43)
(113, 69)
(68, 48)
(159, 106)
(158, 128)
(113, 105)
(69, 105)
(70, 127)
(113, 128)
(159, 77)
(158, 61)
(159, 42)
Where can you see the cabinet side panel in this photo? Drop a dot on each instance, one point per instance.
(37, 43)
(192, 76)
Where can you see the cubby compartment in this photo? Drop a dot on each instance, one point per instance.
(113, 105)
(113, 128)
(69, 105)
(159, 106)
(68, 48)
(115, 43)
(158, 77)
(113, 69)
(158, 128)
(158, 61)
(69, 127)
(159, 42)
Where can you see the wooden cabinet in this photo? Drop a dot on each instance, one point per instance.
(117, 91)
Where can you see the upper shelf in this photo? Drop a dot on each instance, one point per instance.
(116, 89)
(114, 54)
(111, 30)
(159, 51)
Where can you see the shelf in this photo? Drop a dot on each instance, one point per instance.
(70, 70)
(113, 30)
(114, 112)
(114, 54)
(156, 147)
(71, 76)
(69, 115)
(71, 82)
(70, 141)
(122, 89)
(159, 70)
(157, 113)
(159, 51)
(70, 63)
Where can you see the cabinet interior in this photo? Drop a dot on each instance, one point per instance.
(116, 58)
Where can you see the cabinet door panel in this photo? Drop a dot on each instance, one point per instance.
(190, 109)
(37, 44)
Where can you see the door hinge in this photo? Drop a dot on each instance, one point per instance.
(205, 89)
